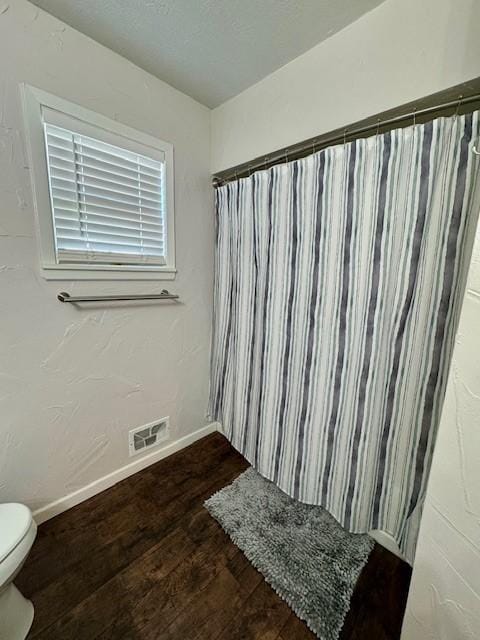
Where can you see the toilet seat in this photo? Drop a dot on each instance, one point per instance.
(17, 533)
(15, 521)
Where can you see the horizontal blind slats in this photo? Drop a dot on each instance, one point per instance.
(115, 195)
(98, 146)
(107, 201)
(68, 228)
(87, 147)
(133, 181)
(108, 258)
(128, 188)
(100, 245)
(62, 155)
(115, 161)
(62, 201)
(95, 218)
(92, 196)
(96, 168)
(119, 216)
(94, 199)
(100, 168)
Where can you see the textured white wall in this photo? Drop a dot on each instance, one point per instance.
(72, 382)
(444, 599)
(400, 51)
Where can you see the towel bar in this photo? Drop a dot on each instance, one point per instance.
(163, 295)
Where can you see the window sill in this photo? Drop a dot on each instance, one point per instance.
(92, 272)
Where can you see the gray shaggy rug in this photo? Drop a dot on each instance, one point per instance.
(302, 551)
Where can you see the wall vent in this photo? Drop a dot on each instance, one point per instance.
(148, 436)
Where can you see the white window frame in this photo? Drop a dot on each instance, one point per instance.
(33, 101)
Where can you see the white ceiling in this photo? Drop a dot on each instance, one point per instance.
(209, 49)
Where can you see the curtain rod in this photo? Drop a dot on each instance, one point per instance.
(312, 145)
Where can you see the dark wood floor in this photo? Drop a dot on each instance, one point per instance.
(144, 560)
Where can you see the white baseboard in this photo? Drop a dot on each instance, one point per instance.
(386, 540)
(72, 499)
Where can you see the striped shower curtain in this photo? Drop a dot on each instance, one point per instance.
(338, 283)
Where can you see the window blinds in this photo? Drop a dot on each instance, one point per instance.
(107, 202)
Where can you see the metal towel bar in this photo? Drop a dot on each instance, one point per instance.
(163, 295)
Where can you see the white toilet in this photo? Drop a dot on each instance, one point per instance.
(17, 533)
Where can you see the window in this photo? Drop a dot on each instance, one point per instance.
(106, 201)
(103, 194)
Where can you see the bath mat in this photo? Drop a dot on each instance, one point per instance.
(301, 550)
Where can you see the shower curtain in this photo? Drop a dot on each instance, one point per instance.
(338, 282)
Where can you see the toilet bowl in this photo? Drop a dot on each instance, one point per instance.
(17, 533)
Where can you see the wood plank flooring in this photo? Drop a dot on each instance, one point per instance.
(145, 561)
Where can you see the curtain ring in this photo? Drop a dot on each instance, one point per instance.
(415, 117)
(286, 156)
(265, 160)
(460, 97)
(378, 126)
(313, 146)
(345, 137)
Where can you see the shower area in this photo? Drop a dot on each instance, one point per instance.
(339, 278)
